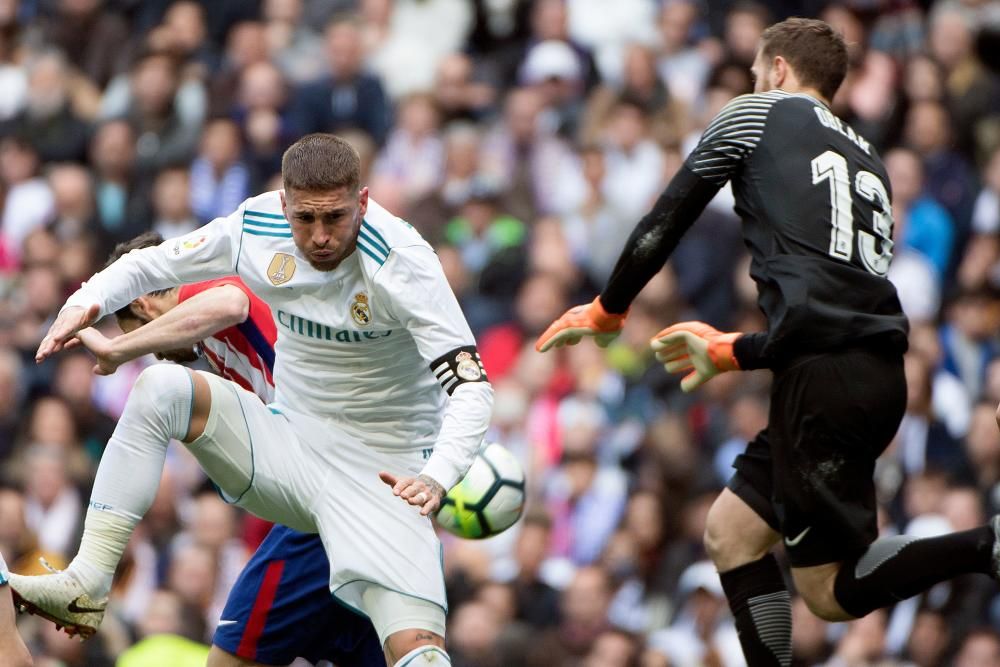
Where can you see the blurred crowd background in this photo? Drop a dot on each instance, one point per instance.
(524, 138)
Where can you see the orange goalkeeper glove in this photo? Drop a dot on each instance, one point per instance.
(579, 321)
(695, 347)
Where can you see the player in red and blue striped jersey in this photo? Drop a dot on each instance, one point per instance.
(280, 607)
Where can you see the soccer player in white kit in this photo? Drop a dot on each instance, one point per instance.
(376, 377)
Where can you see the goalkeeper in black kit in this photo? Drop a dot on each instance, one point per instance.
(814, 201)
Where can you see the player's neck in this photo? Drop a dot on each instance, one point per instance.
(794, 88)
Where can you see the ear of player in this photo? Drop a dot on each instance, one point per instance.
(590, 320)
(698, 348)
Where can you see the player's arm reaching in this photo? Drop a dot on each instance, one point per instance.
(185, 325)
(208, 252)
(689, 346)
(419, 296)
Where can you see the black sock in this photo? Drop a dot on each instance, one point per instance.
(762, 610)
(895, 568)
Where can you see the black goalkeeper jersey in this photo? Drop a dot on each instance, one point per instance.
(815, 204)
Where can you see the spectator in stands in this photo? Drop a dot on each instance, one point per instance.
(682, 67)
(90, 36)
(170, 634)
(220, 180)
(193, 571)
(552, 69)
(119, 204)
(48, 119)
(457, 92)
(52, 506)
(75, 214)
(967, 337)
(524, 157)
(482, 229)
(928, 130)
(263, 114)
(922, 224)
(172, 214)
(28, 203)
(183, 34)
(431, 213)
(246, 46)
(412, 160)
(296, 48)
(164, 137)
(348, 97)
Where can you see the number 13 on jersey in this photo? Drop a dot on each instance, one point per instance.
(875, 250)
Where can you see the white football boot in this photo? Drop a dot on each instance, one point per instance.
(59, 598)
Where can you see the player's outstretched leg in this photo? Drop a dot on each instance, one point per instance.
(739, 541)
(411, 629)
(896, 568)
(161, 407)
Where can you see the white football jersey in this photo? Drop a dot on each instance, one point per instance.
(375, 345)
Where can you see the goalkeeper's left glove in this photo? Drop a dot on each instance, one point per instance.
(695, 347)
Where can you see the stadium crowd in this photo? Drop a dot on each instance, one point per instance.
(524, 139)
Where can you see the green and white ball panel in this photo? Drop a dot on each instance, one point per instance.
(504, 508)
(506, 466)
(488, 500)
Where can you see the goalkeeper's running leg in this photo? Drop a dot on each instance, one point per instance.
(739, 542)
(167, 402)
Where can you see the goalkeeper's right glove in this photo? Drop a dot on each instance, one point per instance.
(580, 321)
(695, 347)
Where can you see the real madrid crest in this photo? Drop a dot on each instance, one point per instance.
(467, 368)
(361, 312)
(281, 269)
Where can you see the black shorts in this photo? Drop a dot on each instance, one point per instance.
(809, 473)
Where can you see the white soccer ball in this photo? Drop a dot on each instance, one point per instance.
(488, 500)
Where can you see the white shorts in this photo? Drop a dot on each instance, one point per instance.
(310, 475)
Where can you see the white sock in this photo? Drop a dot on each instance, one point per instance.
(157, 410)
(424, 656)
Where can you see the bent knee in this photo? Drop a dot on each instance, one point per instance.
(730, 545)
(181, 396)
(153, 379)
(823, 604)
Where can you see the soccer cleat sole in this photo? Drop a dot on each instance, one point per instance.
(82, 632)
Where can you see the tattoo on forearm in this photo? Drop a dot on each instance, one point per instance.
(435, 488)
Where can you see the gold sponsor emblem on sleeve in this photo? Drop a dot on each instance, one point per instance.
(281, 269)
(467, 368)
(361, 313)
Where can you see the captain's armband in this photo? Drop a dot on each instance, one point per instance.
(459, 366)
